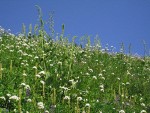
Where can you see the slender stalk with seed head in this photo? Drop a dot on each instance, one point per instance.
(1, 71)
(10, 66)
(19, 102)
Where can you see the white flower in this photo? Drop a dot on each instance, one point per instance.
(79, 98)
(40, 105)
(94, 77)
(8, 95)
(46, 111)
(102, 90)
(142, 104)
(27, 87)
(34, 67)
(42, 82)
(66, 98)
(87, 105)
(29, 100)
(36, 57)
(14, 97)
(101, 86)
(121, 111)
(143, 111)
(3, 98)
(91, 70)
(38, 76)
(24, 74)
(23, 84)
(42, 73)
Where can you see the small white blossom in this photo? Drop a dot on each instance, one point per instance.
(143, 111)
(87, 105)
(66, 98)
(121, 111)
(14, 97)
(23, 84)
(24, 74)
(34, 67)
(27, 87)
(42, 82)
(38, 76)
(40, 105)
(42, 73)
(8, 95)
(46, 111)
(3, 98)
(94, 77)
(29, 100)
(142, 104)
(79, 98)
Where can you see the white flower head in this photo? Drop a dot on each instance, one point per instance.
(46, 111)
(42, 82)
(40, 105)
(22, 84)
(143, 111)
(24, 74)
(14, 98)
(29, 100)
(27, 87)
(8, 95)
(121, 111)
(42, 73)
(87, 105)
(66, 98)
(79, 98)
(38, 76)
(3, 98)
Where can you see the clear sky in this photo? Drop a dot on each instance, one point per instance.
(115, 21)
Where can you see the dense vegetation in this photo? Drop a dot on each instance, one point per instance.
(42, 75)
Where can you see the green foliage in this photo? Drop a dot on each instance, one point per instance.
(39, 75)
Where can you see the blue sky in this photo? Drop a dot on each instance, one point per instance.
(115, 21)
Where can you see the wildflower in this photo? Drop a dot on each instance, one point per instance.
(14, 98)
(3, 98)
(36, 57)
(8, 95)
(79, 98)
(29, 100)
(46, 111)
(91, 70)
(127, 83)
(24, 74)
(60, 63)
(23, 84)
(51, 65)
(143, 111)
(66, 98)
(87, 105)
(94, 77)
(40, 105)
(100, 74)
(121, 111)
(103, 78)
(142, 104)
(34, 67)
(42, 82)
(38, 76)
(101, 86)
(27, 87)
(87, 74)
(118, 78)
(42, 73)
(102, 90)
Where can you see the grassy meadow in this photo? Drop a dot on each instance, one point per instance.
(41, 75)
